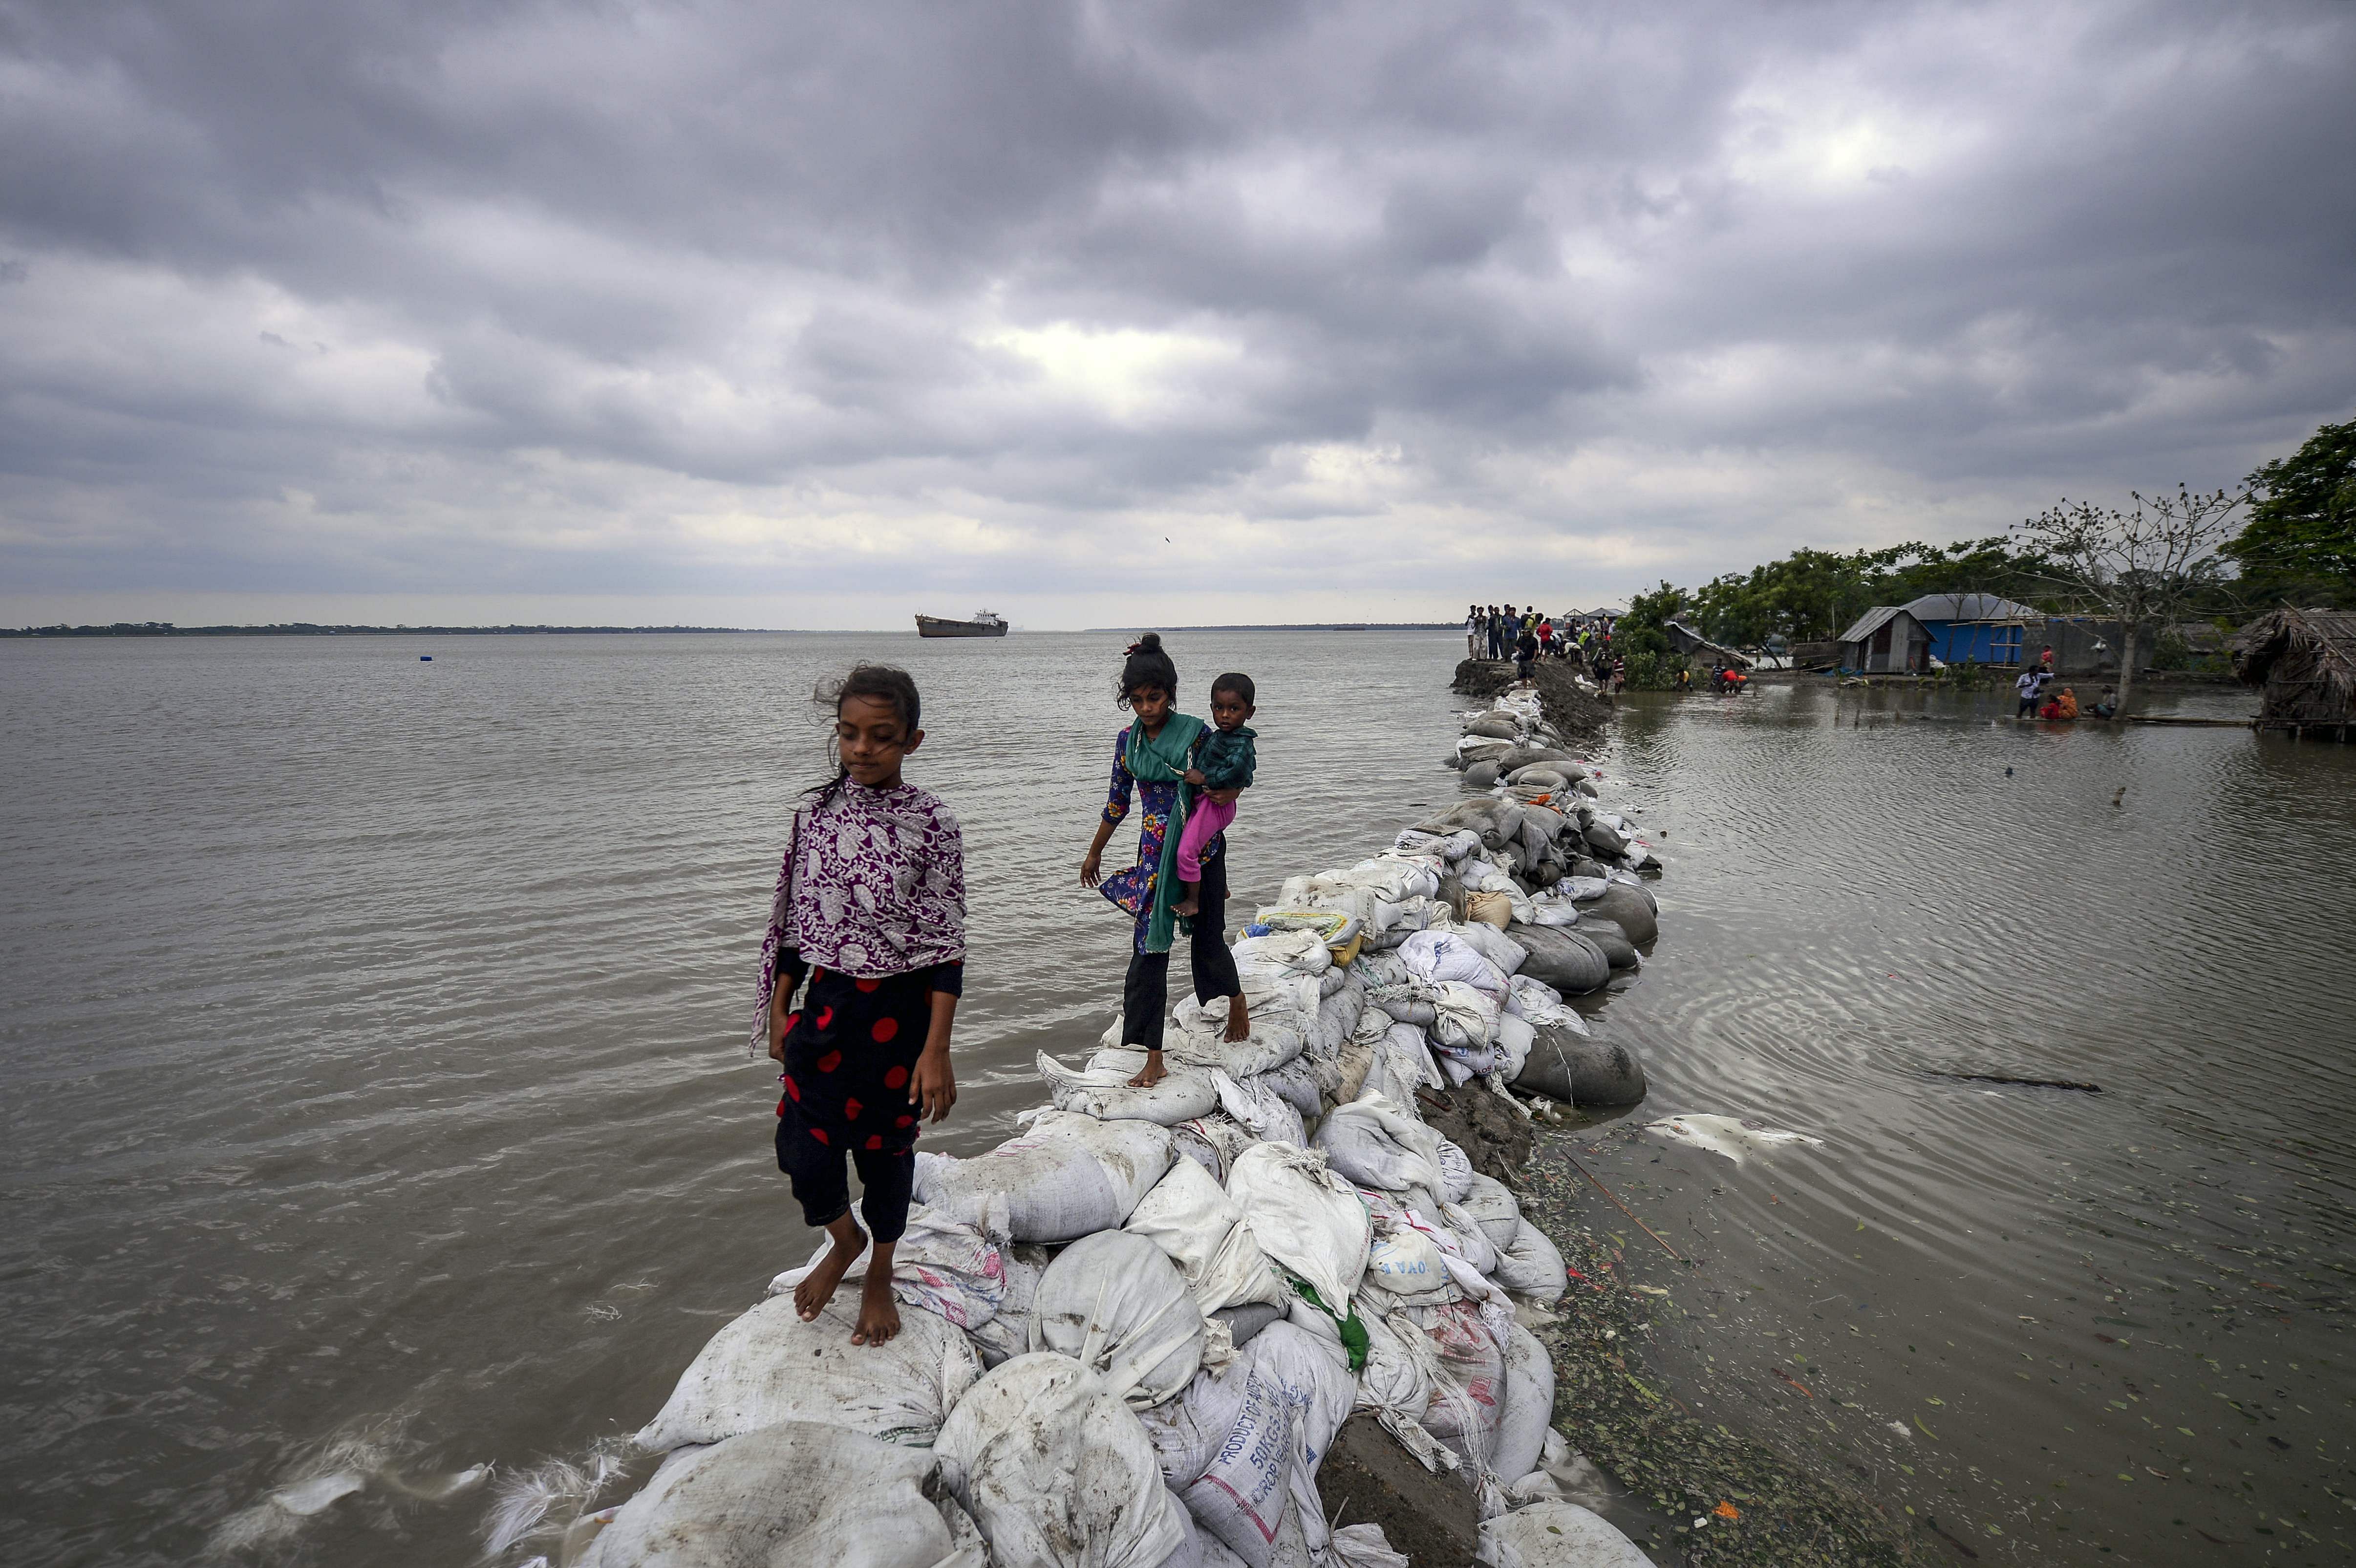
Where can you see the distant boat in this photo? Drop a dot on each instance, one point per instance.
(983, 624)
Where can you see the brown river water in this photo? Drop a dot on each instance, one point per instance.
(376, 1105)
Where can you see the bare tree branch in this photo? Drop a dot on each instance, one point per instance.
(2139, 567)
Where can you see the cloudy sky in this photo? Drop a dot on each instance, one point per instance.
(810, 314)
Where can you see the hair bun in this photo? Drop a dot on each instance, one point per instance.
(1150, 642)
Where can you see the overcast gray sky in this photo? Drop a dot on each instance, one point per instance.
(788, 315)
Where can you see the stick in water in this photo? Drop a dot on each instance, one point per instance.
(1631, 1213)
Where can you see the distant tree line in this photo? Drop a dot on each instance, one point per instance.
(2166, 557)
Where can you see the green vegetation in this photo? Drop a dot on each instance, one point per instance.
(2299, 546)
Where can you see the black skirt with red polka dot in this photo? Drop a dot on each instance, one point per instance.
(851, 1048)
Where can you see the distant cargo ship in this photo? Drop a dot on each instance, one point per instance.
(982, 625)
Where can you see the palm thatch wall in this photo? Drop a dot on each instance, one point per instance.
(2305, 660)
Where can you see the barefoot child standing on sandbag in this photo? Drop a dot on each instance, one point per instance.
(870, 905)
(1150, 758)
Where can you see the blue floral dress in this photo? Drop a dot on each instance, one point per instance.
(1132, 890)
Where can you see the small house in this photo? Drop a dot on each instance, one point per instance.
(1886, 641)
(2305, 662)
(1974, 629)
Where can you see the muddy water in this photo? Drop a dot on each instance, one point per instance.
(2068, 1326)
(374, 1111)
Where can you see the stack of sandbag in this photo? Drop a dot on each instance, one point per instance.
(1129, 1331)
(797, 1491)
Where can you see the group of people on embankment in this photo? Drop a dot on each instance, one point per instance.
(1527, 636)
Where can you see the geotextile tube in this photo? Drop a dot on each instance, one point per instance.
(1342, 1285)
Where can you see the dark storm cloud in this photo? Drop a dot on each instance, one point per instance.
(375, 298)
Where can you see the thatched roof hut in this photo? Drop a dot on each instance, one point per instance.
(2304, 662)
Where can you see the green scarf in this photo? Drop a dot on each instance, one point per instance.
(1163, 759)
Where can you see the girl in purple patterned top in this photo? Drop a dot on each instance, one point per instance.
(870, 906)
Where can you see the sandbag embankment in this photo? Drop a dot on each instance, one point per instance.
(1135, 1332)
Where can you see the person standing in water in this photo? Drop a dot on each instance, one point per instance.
(870, 907)
(1151, 760)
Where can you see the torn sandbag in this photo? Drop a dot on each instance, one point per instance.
(1057, 1471)
(1067, 1175)
(769, 1365)
(1202, 1231)
(793, 1492)
(1114, 1302)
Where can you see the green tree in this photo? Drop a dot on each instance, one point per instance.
(2300, 542)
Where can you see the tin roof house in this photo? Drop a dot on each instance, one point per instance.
(1886, 641)
(1974, 629)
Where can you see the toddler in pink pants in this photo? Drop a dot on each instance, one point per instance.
(1225, 762)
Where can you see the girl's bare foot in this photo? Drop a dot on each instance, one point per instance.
(879, 1313)
(1188, 906)
(817, 1288)
(1151, 1073)
(1238, 1019)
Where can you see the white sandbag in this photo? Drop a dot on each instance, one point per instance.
(1407, 1066)
(1467, 1394)
(1555, 1535)
(1515, 1037)
(1407, 1262)
(1056, 1470)
(1102, 1089)
(1495, 1208)
(1254, 1105)
(1188, 1432)
(1202, 1231)
(1380, 1143)
(1008, 1334)
(1364, 1546)
(1463, 1016)
(1187, 1141)
(1304, 1216)
(1067, 1175)
(793, 1493)
(1443, 956)
(1295, 1398)
(1279, 1030)
(1302, 952)
(1522, 1423)
(1455, 1172)
(1295, 1083)
(1531, 1265)
(1395, 1386)
(1493, 944)
(1544, 1007)
(769, 1365)
(1115, 1303)
(1228, 1136)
